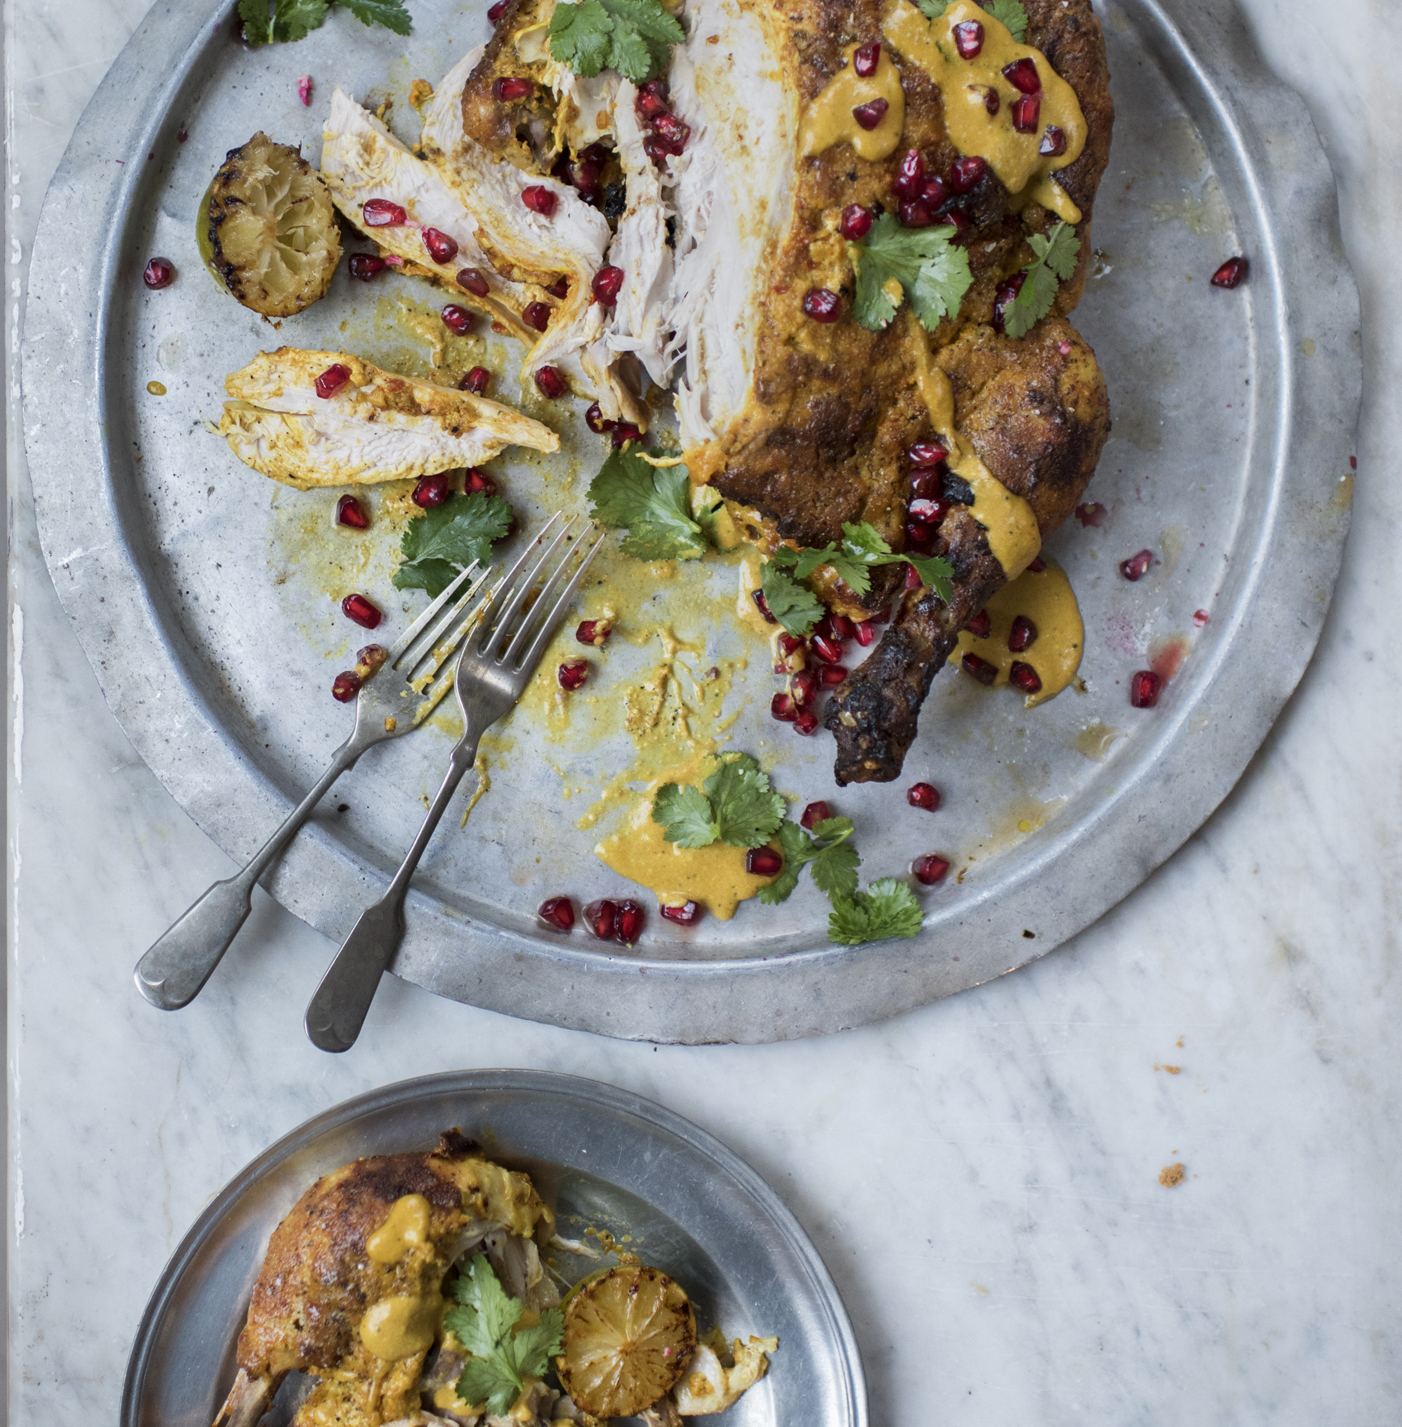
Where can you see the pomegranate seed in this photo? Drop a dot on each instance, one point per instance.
(1027, 111)
(1037, 565)
(804, 686)
(782, 707)
(652, 99)
(1200, 617)
(832, 675)
(763, 862)
(536, 315)
(841, 626)
(607, 284)
(866, 633)
(928, 510)
(441, 248)
(930, 869)
(349, 511)
(601, 917)
(471, 280)
(158, 273)
(557, 912)
(957, 219)
(822, 305)
(358, 608)
(369, 659)
(882, 616)
(979, 669)
(431, 491)
(910, 176)
(806, 723)
(683, 915)
(1022, 75)
(869, 115)
(919, 536)
(923, 795)
(476, 381)
(594, 420)
(991, 102)
(625, 431)
(926, 453)
(366, 266)
(331, 381)
(1004, 297)
(981, 625)
(539, 199)
(1053, 143)
(629, 924)
(966, 172)
(457, 319)
(671, 133)
(1092, 513)
(656, 150)
(968, 39)
(345, 686)
(867, 57)
(815, 813)
(934, 193)
(509, 90)
(477, 482)
(826, 650)
(855, 222)
(762, 605)
(495, 12)
(381, 213)
(594, 632)
(559, 288)
(1231, 274)
(572, 673)
(912, 578)
(1137, 566)
(791, 643)
(926, 482)
(1023, 634)
(551, 383)
(915, 213)
(1025, 677)
(1144, 689)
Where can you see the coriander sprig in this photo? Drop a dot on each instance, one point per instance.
(653, 503)
(632, 36)
(1056, 259)
(922, 266)
(447, 538)
(265, 21)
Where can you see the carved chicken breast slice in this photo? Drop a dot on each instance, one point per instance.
(375, 427)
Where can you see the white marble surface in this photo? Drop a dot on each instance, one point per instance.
(1014, 1135)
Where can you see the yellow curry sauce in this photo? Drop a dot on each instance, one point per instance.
(830, 119)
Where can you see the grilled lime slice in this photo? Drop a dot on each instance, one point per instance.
(629, 1332)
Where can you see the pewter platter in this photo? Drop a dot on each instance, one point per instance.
(210, 616)
(601, 1158)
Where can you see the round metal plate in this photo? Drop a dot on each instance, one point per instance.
(208, 612)
(600, 1157)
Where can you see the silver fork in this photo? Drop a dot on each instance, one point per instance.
(494, 667)
(175, 969)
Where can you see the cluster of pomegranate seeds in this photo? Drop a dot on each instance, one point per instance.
(540, 199)
(923, 795)
(822, 305)
(158, 273)
(457, 319)
(1053, 143)
(968, 39)
(855, 222)
(979, 669)
(471, 280)
(349, 511)
(763, 862)
(815, 813)
(431, 491)
(366, 266)
(572, 674)
(1027, 112)
(557, 912)
(511, 89)
(870, 114)
(1004, 297)
(359, 609)
(331, 381)
(1025, 677)
(684, 915)
(551, 383)
(1023, 635)
(981, 625)
(495, 12)
(1144, 687)
(382, 213)
(668, 134)
(866, 58)
(1137, 566)
(1232, 273)
(583, 171)
(536, 316)
(594, 632)
(607, 284)
(476, 381)
(1092, 513)
(929, 869)
(441, 248)
(345, 686)
(609, 921)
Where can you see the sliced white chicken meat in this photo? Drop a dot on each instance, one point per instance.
(708, 1386)
(372, 426)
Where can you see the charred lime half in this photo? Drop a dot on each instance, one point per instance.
(272, 234)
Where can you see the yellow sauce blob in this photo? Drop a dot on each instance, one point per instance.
(400, 1326)
(964, 86)
(1047, 599)
(829, 119)
(715, 876)
(405, 1229)
(156, 388)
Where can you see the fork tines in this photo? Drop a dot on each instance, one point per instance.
(423, 638)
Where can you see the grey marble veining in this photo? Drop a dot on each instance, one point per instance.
(981, 1176)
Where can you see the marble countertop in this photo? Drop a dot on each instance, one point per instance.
(1232, 1016)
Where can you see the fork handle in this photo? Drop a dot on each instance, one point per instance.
(341, 1002)
(175, 969)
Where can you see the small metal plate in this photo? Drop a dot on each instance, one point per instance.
(209, 612)
(601, 1158)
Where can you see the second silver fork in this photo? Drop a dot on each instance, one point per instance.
(495, 665)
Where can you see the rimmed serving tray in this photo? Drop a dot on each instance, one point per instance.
(182, 570)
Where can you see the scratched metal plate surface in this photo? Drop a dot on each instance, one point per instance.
(210, 615)
(601, 1158)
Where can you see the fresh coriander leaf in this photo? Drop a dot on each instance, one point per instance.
(487, 1312)
(448, 538)
(1056, 259)
(295, 19)
(795, 606)
(501, 1360)
(747, 810)
(835, 865)
(685, 816)
(389, 13)
(1009, 13)
(929, 270)
(797, 848)
(865, 545)
(490, 1381)
(632, 36)
(935, 573)
(257, 24)
(886, 909)
(580, 37)
(531, 1349)
(932, 9)
(431, 576)
(653, 503)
